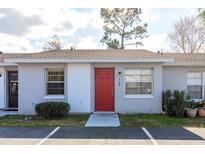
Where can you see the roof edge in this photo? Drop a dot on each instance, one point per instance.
(46, 60)
(7, 64)
(184, 64)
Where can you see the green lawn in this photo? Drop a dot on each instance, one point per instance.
(159, 120)
(70, 120)
(128, 121)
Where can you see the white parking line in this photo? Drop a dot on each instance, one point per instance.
(150, 136)
(49, 135)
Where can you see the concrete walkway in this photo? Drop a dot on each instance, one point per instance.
(103, 120)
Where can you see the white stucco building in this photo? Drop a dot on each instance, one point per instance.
(121, 81)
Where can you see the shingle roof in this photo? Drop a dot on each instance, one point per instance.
(11, 55)
(90, 54)
(186, 58)
(179, 58)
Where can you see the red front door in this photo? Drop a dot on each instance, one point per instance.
(104, 89)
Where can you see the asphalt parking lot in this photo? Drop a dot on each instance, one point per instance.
(87, 136)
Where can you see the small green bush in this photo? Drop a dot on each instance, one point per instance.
(174, 103)
(52, 109)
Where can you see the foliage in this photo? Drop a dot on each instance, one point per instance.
(187, 36)
(191, 104)
(124, 23)
(53, 44)
(111, 44)
(168, 102)
(51, 109)
(201, 16)
(180, 102)
(174, 103)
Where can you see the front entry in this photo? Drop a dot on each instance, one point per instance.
(104, 89)
(12, 89)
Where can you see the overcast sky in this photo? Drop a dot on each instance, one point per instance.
(25, 30)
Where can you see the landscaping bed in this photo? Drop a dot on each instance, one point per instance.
(159, 120)
(70, 120)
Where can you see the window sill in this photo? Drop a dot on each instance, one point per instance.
(139, 96)
(54, 97)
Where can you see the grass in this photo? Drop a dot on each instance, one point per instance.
(159, 120)
(70, 120)
(127, 121)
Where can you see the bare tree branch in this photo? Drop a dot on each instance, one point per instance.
(53, 44)
(187, 36)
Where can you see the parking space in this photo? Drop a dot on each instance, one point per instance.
(23, 135)
(87, 136)
(99, 136)
(176, 136)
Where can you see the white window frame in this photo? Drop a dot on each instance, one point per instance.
(139, 95)
(202, 84)
(54, 96)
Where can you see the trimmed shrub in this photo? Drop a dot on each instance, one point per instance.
(52, 109)
(174, 103)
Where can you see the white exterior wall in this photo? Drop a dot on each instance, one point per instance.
(32, 86)
(79, 87)
(139, 105)
(133, 105)
(175, 77)
(2, 88)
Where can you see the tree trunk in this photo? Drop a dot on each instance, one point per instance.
(122, 42)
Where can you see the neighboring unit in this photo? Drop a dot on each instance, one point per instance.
(121, 81)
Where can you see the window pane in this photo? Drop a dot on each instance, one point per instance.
(132, 72)
(132, 78)
(194, 82)
(55, 72)
(194, 75)
(194, 78)
(131, 88)
(55, 88)
(146, 78)
(138, 88)
(55, 85)
(55, 92)
(55, 78)
(146, 72)
(195, 92)
(138, 71)
(145, 88)
(138, 81)
(55, 82)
